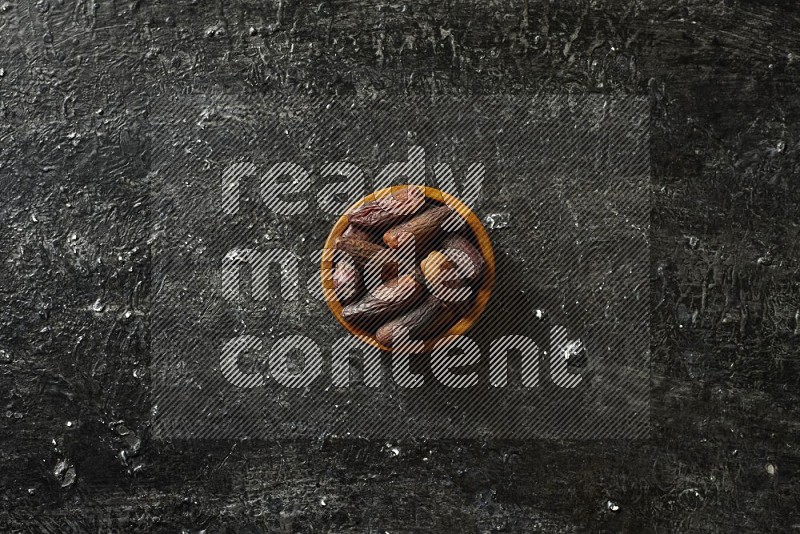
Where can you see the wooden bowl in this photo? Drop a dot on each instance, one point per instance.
(481, 299)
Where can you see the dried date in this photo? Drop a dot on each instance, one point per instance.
(388, 210)
(359, 250)
(347, 282)
(385, 302)
(461, 244)
(439, 269)
(355, 232)
(423, 227)
(431, 317)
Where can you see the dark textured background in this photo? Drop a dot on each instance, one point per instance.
(75, 79)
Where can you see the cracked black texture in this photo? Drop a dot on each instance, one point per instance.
(75, 81)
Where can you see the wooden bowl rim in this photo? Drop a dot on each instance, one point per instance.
(481, 237)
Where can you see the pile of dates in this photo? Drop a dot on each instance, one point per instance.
(412, 265)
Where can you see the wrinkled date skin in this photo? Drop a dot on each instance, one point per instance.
(355, 232)
(359, 250)
(438, 268)
(388, 210)
(459, 243)
(425, 321)
(347, 282)
(424, 227)
(384, 303)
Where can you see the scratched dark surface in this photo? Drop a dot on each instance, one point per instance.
(75, 81)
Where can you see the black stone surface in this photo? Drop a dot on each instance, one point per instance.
(76, 78)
